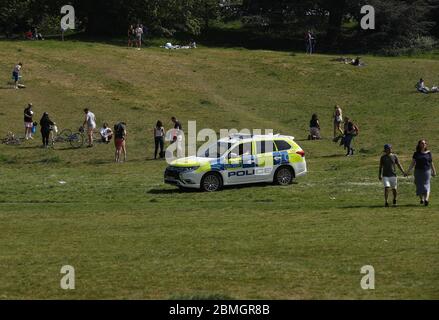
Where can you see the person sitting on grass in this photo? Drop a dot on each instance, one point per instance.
(314, 128)
(420, 86)
(106, 133)
(387, 174)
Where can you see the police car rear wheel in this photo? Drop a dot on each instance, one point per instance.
(284, 176)
(211, 183)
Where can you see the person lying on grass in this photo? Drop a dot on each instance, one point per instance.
(422, 88)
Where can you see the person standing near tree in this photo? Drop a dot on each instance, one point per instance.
(310, 42)
(139, 34)
(424, 170)
(387, 174)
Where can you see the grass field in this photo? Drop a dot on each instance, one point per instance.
(131, 237)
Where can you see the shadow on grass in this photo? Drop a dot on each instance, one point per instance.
(238, 187)
(380, 206)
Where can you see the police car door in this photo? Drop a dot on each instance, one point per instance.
(241, 164)
(264, 160)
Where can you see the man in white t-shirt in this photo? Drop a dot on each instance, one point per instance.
(139, 34)
(90, 123)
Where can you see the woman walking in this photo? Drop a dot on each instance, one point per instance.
(424, 170)
(46, 127)
(159, 139)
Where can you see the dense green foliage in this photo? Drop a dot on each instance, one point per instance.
(400, 23)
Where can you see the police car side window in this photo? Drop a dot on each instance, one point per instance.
(283, 145)
(242, 149)
(265, 147)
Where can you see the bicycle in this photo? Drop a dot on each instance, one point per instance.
(12, 139)
(76, 139)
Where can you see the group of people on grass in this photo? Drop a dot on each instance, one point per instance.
(48, 128)
(135, 35)
(106, 133)
(345, 130)
(424, 170)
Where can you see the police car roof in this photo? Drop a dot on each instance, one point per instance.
(240, 137)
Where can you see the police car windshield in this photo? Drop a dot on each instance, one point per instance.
(215, 151)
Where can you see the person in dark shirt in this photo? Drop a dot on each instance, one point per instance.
(314, 128)
(424, 170)
(28, 122)
(46, 127)
(388, 163)
(120, 134)
(351, 131)
(177, 128)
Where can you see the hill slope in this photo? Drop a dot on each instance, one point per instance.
(130, 236)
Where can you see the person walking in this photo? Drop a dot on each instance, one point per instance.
(120, 135)
(351, 131)
(90, 123)
(338, 122)
(28, 122)
(387, 174)
(46, 127)
(424, 170)
(159, 139)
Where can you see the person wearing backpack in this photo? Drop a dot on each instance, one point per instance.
(120, 134)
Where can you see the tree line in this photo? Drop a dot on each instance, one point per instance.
(399, 23)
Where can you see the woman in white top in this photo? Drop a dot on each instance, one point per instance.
(159, 139)
(338, 121)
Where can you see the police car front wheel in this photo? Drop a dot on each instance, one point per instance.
(284, 176)
(211, 182)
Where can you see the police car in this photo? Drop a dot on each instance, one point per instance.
(240, 159)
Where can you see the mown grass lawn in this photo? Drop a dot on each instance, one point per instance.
(129, 236)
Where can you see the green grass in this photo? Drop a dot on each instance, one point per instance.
(129, 236)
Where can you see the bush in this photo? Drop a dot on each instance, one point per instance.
(414, 46)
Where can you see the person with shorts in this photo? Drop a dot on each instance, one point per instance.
(28, 122)
(139, 35)
(16, 74)
(120, 135)
(387, 174)
(90, 123)
(338, 121)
